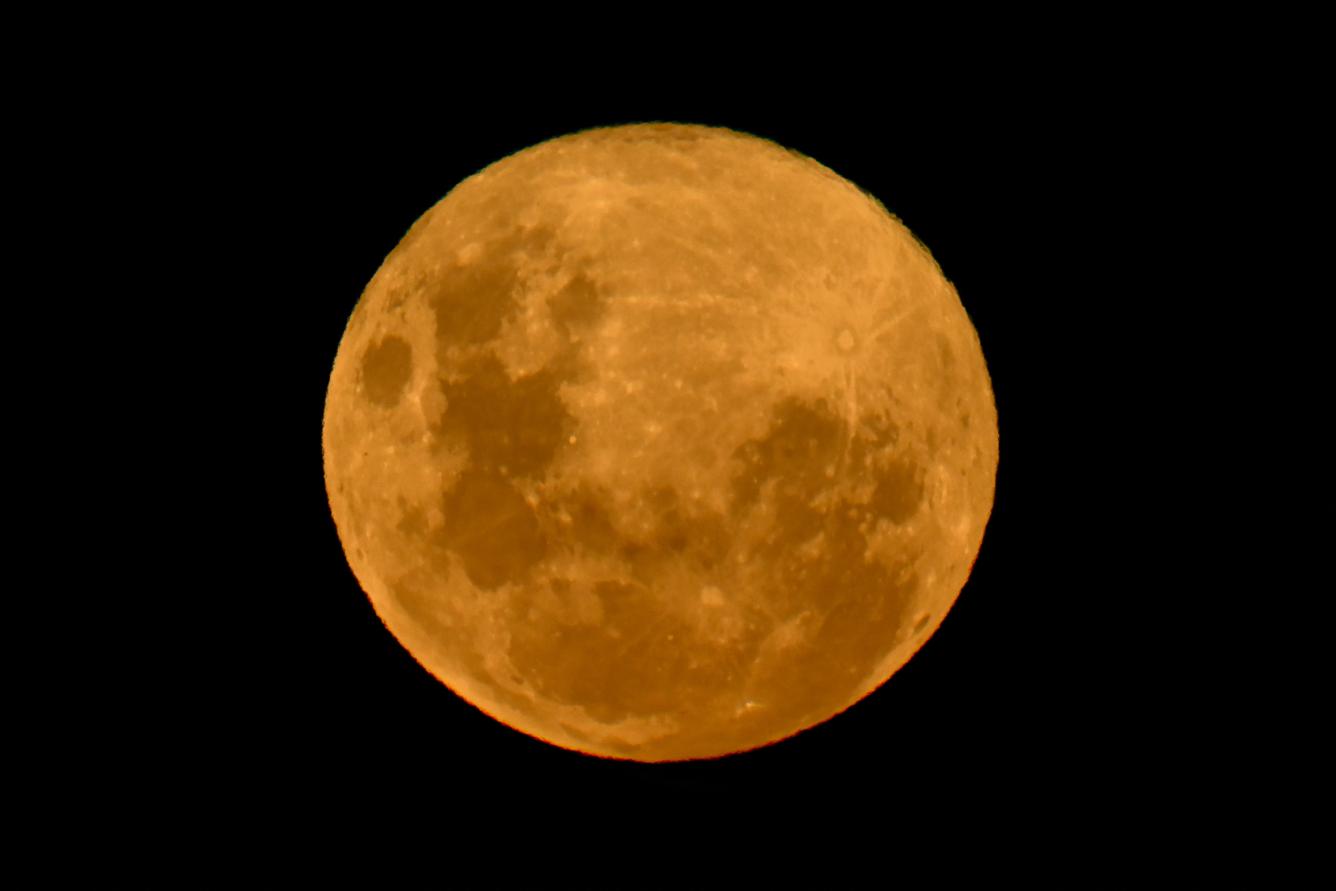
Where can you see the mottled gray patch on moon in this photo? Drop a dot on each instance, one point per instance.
(386, 368)
(492, 528)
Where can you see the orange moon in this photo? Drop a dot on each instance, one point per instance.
(660, 442)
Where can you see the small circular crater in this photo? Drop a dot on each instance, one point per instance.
(846, 341)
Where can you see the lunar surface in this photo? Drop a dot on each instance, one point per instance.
(660, 442)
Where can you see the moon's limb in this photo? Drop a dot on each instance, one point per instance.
(660, 442)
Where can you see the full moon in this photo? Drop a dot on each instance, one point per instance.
(660, 442)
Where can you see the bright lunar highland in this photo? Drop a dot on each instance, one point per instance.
(660, 442)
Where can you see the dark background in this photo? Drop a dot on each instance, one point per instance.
(1016, 191)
